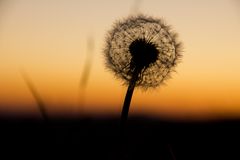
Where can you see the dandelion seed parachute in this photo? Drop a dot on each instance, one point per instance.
(143, 43)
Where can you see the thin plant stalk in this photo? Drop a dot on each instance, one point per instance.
(171, 151)
(128, 98)
(85, 74)
(88, 63)
(127, 103)
(36, 95)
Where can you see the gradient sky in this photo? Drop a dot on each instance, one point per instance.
(49, 39)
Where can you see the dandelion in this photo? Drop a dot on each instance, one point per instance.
(142, 51)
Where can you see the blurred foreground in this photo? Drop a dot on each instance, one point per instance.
(101, 138)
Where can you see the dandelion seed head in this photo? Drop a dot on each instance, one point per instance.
(142, 43)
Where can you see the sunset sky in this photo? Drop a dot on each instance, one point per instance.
(49, 41)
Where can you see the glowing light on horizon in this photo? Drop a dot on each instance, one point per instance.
(47, 39)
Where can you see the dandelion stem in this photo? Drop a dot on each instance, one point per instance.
(127, 102)
(128, 97)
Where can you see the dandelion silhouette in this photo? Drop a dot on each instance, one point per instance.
(142, 51)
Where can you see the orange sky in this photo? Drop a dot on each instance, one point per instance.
(49, 41)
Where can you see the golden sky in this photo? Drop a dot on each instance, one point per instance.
(49, 40)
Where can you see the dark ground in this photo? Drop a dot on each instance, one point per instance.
(101, 138)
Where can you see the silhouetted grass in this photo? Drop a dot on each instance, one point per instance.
(88, 63)
(40, 103)
(86, 71)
